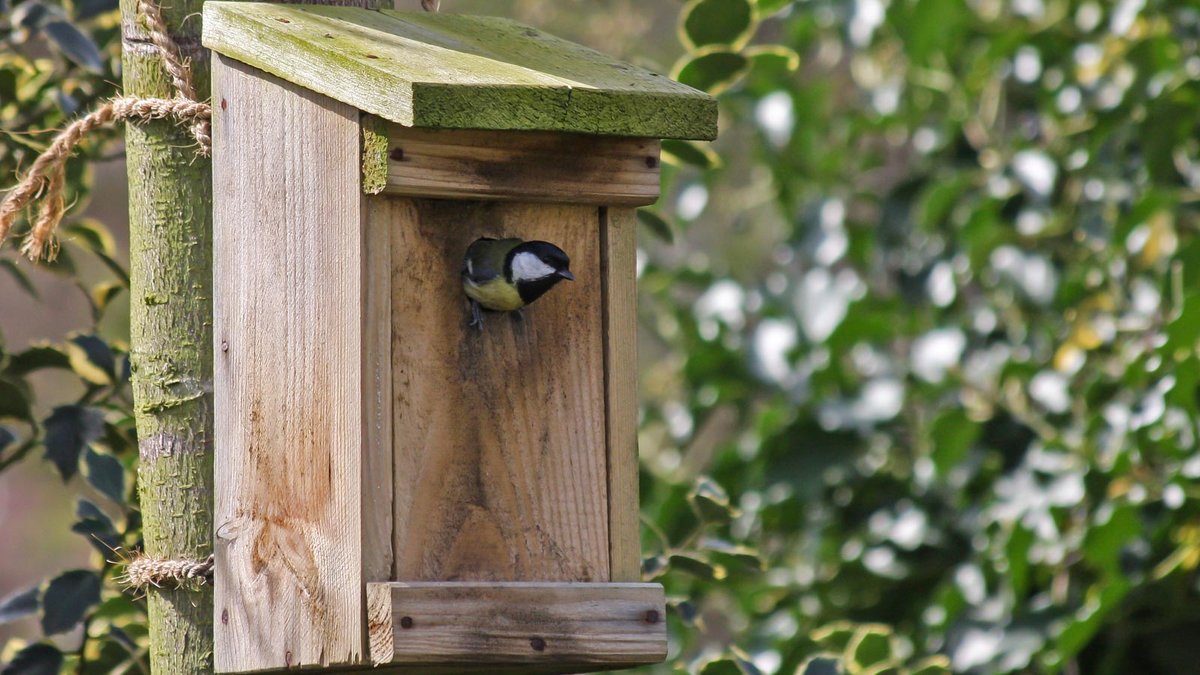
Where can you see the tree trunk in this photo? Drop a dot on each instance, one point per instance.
(170, 265)
(170, 251)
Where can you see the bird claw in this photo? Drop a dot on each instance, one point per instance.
(476, 316)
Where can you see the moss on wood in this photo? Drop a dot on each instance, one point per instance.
(374, 155)
(456, 71)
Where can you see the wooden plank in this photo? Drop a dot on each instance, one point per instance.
(517, 623)
(522, 166)
(289, 339)
(500, 461)
(454, 71)
(377, 395)
(618, 255)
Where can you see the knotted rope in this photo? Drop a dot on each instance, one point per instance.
(144, 571)
(47, 176)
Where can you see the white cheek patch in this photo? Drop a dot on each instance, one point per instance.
(527, 267)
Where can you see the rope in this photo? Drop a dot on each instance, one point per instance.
(144, 571)
(177, 67)
(47, 176)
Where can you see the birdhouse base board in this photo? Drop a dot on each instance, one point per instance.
(570, 626)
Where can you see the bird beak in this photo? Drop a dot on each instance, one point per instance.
(566, 274)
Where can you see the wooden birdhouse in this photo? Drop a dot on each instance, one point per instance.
(394, 486)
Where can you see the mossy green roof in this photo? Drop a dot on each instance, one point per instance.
(456, 71)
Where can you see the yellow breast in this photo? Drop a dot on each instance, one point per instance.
(496, 295)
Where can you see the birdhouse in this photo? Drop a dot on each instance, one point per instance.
(393, 485)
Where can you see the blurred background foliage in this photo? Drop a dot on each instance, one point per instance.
(919, 335)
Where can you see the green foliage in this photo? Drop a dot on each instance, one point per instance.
(57, 61)
(929, 321)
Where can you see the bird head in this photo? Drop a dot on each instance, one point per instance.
(538, 262)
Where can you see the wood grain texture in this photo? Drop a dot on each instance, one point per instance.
(522, 166)
(618, 255)
(518, 623)
(500, 462)
(377, 395)
(288, 307)
(456, 71)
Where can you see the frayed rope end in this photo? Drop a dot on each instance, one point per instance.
(47, 176)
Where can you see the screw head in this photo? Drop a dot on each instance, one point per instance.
(652, 616)
(406, 622)
(538, 644)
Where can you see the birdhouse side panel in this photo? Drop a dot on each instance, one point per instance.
(618, 249)
(288, 307)
(500, 437)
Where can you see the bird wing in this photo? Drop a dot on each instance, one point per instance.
(485, 258)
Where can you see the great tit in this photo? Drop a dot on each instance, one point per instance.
(503, 275)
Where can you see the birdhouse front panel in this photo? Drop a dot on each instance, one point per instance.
(499, 431)
(426, 379)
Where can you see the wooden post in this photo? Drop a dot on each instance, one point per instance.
(170, 252)
(170, 230)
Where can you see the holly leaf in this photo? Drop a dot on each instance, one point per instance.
(92, 359)
(697, 566)
(717, 22)
(13, 401)
(75, 45)
(820, 664)
(67, 598)
(20, 604)
(105, 473)
(712, 70)
(37, 358)
(36, 659)
(710, 502)
(686, 152)
(659, 227)
(869, 646)
(69, 429)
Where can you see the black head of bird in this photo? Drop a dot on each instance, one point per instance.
(504, 275)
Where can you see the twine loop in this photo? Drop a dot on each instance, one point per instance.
(48, 176)
(144, 571)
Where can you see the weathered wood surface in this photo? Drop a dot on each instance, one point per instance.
(514, 623)
(288, 323)
(376, 394)
(618, 254)
(521, 166)
(500, 461)
(438, 70)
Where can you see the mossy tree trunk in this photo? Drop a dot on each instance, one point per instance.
(170, 261)
(170, 250)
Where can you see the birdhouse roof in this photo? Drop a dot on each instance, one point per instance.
(425, 69)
